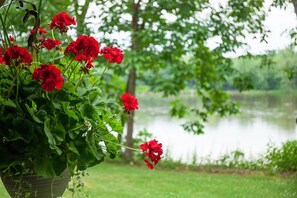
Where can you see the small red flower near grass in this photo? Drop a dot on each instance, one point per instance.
(17, 55)
(50, 76)
(112, 54)
(130, 102)
(61, 21)
(50, 43)
(153, 150)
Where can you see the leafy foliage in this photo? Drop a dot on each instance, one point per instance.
(162, 34)
(274, 70)
(283, 158)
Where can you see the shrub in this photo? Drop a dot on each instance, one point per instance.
(283, 158)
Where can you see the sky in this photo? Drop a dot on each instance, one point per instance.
(279, 21)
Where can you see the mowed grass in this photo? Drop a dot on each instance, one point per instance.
(124, 181)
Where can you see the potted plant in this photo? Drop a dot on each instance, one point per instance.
(54, 117)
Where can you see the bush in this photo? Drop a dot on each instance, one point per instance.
(284, 158)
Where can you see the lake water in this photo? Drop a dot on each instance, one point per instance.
(264, 118)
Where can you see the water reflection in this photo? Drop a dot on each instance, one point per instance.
(264, 118)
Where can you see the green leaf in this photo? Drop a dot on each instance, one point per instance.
(67, 110)
(53, 135)
(94, 98)
(31, 112)
(111, 145)
(43, 164)
(72, 148)
(178, 109)
(88, 111)
(42, 115)
(7, 102)
(116, 126)
(59, 132)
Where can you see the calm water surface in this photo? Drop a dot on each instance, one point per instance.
(264, 118)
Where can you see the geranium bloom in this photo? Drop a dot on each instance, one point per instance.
(130, 102)
(85, 48)
(2, 60)
(50, 76)
(61, 21)
(11, 38)
(153, 150)
(1, 56)
(40, 30)
(112, 54)
(18, 55)
(50, 43)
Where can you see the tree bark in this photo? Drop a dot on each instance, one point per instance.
(80, 18)
(130, 122)
(295, 6)
(131, 83)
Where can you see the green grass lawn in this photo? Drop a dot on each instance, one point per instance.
(123, 181)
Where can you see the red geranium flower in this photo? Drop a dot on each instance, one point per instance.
(40, 30)
(11, 38)
(18, 55)
(153, 150)
(112, 54)
(61, 21)
(50, 43)
(130, 102)
(50, 76)
(85, 48)
(2, 60)
(1, 56)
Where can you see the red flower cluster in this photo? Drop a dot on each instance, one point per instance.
(130, 102)
(153, 150)
(40, 30)
(112, 54)
(85, 48)
(50, 43)
(50, 76)
(17, 55)
(61, 21)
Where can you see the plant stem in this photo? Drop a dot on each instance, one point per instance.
(39, 8)
(17, 83)
(6, 38)
(53, 35)
(6, 13)
(67, 67)
(73, 70)
(99, 79)
(121, 145)
(105, 68)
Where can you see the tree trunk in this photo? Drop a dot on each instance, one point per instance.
(80, 18)
(295, 6)
(130, 122)
(131, 83)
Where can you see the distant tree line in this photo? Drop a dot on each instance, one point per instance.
(272, 71)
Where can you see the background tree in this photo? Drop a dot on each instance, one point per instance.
(161, 33)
